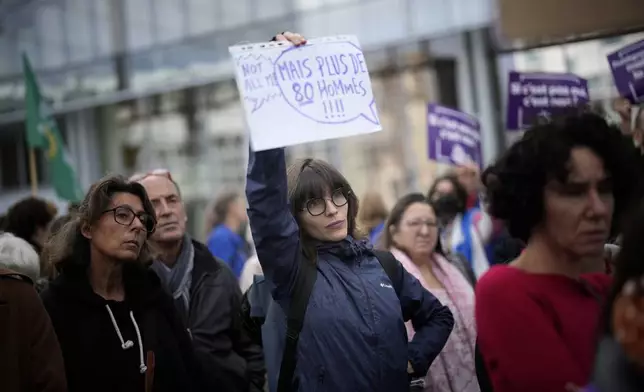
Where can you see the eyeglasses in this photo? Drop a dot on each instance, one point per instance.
(125, 216)
(317, 205)
(417, 224)
(138, 177)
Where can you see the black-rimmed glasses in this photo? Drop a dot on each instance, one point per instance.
(317, 205)
(124, 215)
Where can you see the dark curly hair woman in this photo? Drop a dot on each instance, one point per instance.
(561, 189)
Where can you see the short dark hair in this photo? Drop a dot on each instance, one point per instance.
(27, 215)
(311, 178)
(459, 190)
(68, 248)
(515, 183)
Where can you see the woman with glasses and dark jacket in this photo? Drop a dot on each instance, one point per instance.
(353, 336)
(117, 328)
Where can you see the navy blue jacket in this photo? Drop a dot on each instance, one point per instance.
(354, 337)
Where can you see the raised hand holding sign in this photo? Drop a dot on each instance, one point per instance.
(297, 94)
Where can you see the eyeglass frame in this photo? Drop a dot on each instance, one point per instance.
(412, 224)
(134, 215)
(324, 199)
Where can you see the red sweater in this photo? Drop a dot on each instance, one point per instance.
(537, 332)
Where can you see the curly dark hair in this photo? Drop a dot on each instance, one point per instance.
(515, 182)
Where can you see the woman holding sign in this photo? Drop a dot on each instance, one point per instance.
(346, 304)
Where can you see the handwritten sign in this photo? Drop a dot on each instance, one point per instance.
(535, 95)
(294, 95)
(454, 137)
(627, 66)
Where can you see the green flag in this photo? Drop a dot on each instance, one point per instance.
(43, 133)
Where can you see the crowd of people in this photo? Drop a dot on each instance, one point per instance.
(525, 277)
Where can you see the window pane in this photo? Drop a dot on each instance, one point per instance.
(8, 60)
(168, 19)
(234, 12)
(308, 4)
(50, 35)
(266, 9)
(79, 35)
(103, 30)
(202, 16)
(139, 27)
(27, 44)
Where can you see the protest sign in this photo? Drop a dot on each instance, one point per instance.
(313, 92)
(627, 66)
(454, 137)
(535, 95)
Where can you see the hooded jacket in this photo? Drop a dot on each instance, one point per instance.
(105, 343)
(354, 336)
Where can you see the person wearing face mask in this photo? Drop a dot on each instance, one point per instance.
(463, 232)
(412, 236)
(352, 336)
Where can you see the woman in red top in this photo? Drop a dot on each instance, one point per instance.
(560, 189)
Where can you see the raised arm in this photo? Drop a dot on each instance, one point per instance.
(275, 232)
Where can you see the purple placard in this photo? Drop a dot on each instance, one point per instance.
(454, 137)
(534, 95)
(627, 66)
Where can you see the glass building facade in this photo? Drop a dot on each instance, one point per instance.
(141, 84)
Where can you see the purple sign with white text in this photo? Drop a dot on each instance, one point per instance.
(627, 66)
(454, 137)
(536, 95)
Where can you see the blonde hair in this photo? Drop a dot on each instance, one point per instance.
(18, 255)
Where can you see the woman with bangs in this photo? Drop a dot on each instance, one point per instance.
(353, 336)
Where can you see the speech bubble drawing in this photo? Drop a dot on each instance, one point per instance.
(257, 80)
(326, 82)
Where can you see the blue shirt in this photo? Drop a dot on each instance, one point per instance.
(228, 246)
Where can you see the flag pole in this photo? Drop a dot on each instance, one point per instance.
(33, 172)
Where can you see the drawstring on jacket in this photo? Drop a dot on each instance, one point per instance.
(128, 344)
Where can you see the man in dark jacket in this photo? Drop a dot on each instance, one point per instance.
(206, 294)
(30, 356)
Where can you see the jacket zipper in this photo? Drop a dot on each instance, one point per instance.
(371, 313)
